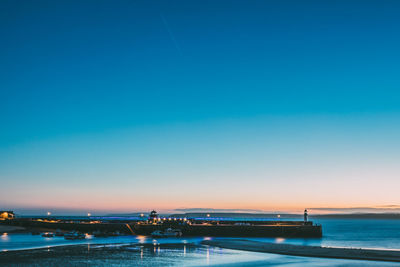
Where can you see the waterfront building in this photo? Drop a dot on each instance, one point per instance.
(153, 216)
(6, 215)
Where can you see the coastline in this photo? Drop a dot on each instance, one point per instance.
(154, 254)
(75, 255)
(307, 251)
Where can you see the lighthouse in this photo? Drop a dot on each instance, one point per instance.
(305, 216)
(153, 216)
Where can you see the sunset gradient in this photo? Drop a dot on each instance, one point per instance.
(135, 105)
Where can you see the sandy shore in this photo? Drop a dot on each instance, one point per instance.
(308, 251)
(99, 255)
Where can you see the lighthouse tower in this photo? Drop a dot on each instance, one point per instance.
(305, 216)
(153, 216)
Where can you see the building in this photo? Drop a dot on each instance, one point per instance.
(153, 216)
(6, 215)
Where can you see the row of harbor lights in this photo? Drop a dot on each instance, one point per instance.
(170, 219)
(49, 213)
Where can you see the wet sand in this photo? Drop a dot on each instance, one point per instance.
(89, 255)
(307, 251)
(157, 254)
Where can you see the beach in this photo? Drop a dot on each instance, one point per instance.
(84, 255)
(307, 251)
(162, 254)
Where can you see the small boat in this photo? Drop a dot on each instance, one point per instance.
(116, 233)
(157, 233)
(74, 236)
(106, 234)
(48, 234)
(101, 234)
(59, 233)
(167, 233)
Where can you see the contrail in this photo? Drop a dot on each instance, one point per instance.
(171, 34)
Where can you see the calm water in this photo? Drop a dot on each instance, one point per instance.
(380, 234)
(384, 234)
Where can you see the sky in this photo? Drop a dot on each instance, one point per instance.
(123, 106)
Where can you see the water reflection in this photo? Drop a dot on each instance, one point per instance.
(5, 237)
(28, 241)
(87, 236)
(208, 255)
(141, 239)
(190, 254)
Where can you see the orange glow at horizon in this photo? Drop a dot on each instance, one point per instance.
(171, 207)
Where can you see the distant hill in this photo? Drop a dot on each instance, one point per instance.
(268, 215)
(126, 214)
(358, 216)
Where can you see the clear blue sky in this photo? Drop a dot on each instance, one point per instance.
(132, 105)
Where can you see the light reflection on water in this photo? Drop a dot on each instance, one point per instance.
(208, 255)
(383, 234)
(361, 233)
(211, 256)
(5, 237)
(141, 239)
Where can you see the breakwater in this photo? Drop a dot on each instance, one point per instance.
(238, 230)
(188, 227)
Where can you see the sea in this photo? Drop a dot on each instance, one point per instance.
(354, 233)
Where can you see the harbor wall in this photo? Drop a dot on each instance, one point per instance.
(294, 229)
(238, 230)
